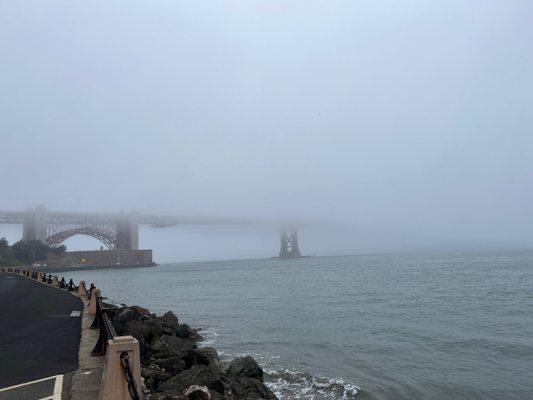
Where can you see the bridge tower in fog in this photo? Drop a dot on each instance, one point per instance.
(34, 224)
(289, 244)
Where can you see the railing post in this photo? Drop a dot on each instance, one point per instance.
(114, 384)
(91, 308)
(82, 290)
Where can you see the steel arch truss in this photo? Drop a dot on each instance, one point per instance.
(59, 230)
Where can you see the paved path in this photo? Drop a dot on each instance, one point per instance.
(38, 337)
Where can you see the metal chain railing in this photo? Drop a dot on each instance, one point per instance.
(107, 330)
(47, 278)
(132, 387)
(90, 291)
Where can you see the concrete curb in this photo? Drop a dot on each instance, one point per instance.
(87, 379)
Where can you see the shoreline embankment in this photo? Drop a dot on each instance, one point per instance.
(173, 360)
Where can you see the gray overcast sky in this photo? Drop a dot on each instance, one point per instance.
(409, 122)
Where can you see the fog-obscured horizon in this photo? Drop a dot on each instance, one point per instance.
(393, 126)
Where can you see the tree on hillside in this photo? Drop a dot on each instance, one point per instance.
(7, 258)
(33, 250)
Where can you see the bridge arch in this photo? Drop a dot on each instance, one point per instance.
(103, 236)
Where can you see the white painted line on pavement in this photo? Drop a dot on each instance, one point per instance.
(29, 383)
(75, 313)
(57, 388)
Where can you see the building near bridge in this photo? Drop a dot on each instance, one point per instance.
(102, 258)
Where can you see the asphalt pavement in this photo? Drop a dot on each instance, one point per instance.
(40, 329)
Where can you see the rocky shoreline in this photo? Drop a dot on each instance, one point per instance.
(174, 366)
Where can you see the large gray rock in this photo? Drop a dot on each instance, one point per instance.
(147, 333)
(177, 345)
(170, 318)
(120, 317)
(173, 365)
(141, 310)
(149, 328)
(184, 331)
(196, 375)
(247, 388)
(167, 396)
(194, 395)
(155, 372)
(245, 367)
(162, 353)
(153, 376)
(170, 323)
(156, 344)
(196, 392)
(207, 356)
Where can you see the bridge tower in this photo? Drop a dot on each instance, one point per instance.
(34, 224)
(127, 233)
(289, 244)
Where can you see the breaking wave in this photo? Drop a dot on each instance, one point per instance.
(289, 384)
(209, 335)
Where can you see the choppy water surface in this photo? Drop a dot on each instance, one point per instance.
(440, 326)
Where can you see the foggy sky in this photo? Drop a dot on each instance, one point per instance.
(405, 125)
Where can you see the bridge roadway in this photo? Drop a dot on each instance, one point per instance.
(153, 220)
(38, 338)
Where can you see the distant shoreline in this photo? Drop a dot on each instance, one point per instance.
(56, 268)
(399, 253)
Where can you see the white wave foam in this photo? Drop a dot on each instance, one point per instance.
(209, 335)
(289, 384)
(261, 358)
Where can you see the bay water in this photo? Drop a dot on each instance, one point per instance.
(396, 326)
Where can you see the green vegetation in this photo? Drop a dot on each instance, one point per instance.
(25, 253)
(6, 254)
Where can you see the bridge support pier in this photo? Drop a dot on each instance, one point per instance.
(127, 234)
(289, 244)
(34, 224)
